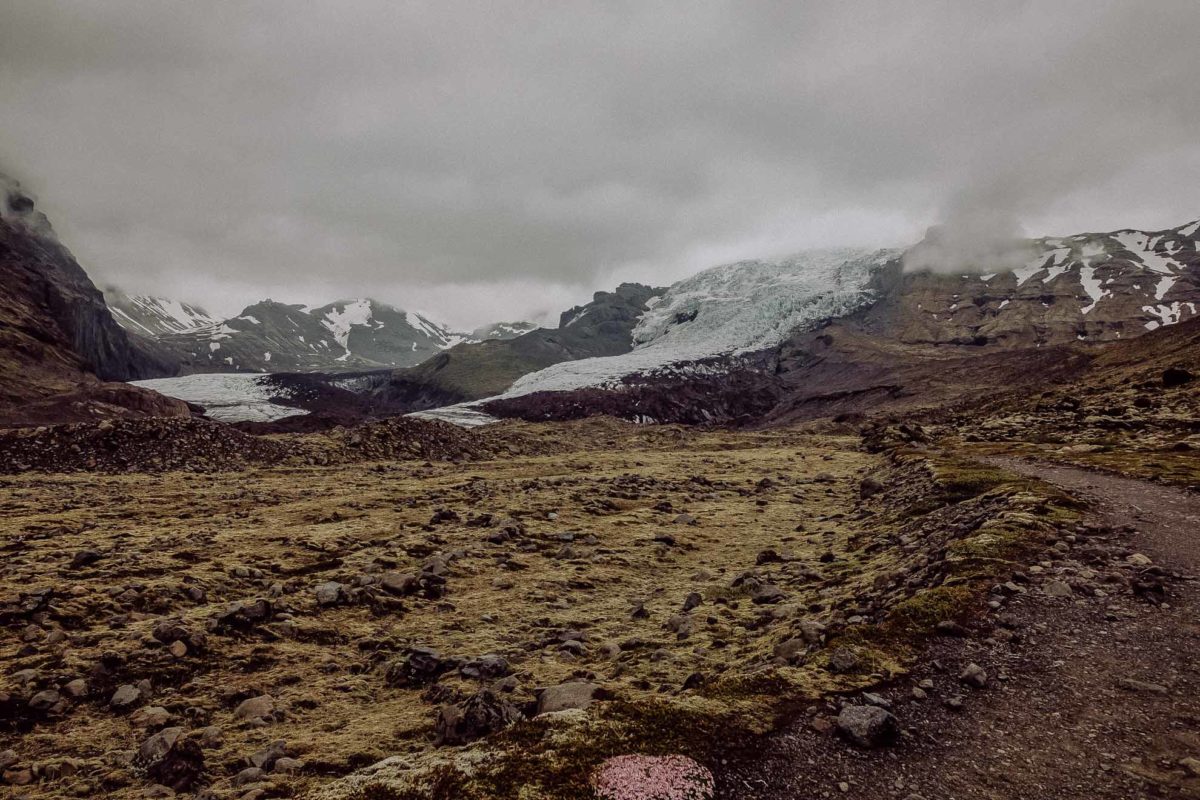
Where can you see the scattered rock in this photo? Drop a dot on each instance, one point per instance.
(844, 661)
(267, 756)
(1057, 589)
(422, 665)
(331, 593)
(126, 696)
(974, 675)
(486, 667)
(482, 713)
(1132, 685)
(85, 558)
(255, 709)
(867, 726)
(766, 594)
(566, 696)
(171, 760)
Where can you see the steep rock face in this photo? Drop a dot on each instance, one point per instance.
(57, 337)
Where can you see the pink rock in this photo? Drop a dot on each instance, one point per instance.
(635, 777)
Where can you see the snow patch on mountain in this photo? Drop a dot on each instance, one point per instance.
(340, 320)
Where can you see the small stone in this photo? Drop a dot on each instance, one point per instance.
(692, 601)
(565, 696)
(486, 667)
(790, 650)
(766, 594)
(421, 666)
(249, 775)
(76, 688)
(288, 766)
(872, 699)
(974, 675)
(1132, 685)
(85, 558)
(844, 661)
(126, 696)
(867, 726)
(1057, 589)
(255, 708)
(267, 756)
(150, 717)
(330, 593)
(211, 737)
(481, 714)
(400, 583)
(812, 631)
(18, 776)
(171, 760)
(1139, 560)
(177, 648)
(45, 700)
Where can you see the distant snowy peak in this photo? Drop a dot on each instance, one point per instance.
(156, 316)
(502, 331)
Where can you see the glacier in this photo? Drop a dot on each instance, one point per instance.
(724, 311)
(229, 397)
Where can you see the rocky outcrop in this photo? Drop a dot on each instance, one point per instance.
(58, 341)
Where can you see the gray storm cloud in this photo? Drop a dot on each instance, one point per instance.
(486, 161)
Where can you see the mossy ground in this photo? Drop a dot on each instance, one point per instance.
(616, 488)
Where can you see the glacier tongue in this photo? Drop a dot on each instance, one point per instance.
(726, 310)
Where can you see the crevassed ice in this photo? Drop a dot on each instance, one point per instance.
(229, 397)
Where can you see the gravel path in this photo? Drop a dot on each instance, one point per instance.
(1167, 519)
(1088, 696)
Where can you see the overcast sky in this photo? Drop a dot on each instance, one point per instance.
(503, 160)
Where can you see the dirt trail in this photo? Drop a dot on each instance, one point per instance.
(1167, 519)
(1089, 696)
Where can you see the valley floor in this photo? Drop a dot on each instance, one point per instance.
(572, 566)
(497, 628)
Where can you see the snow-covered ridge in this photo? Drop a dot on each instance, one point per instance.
(1098, 260)
(155, 316)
